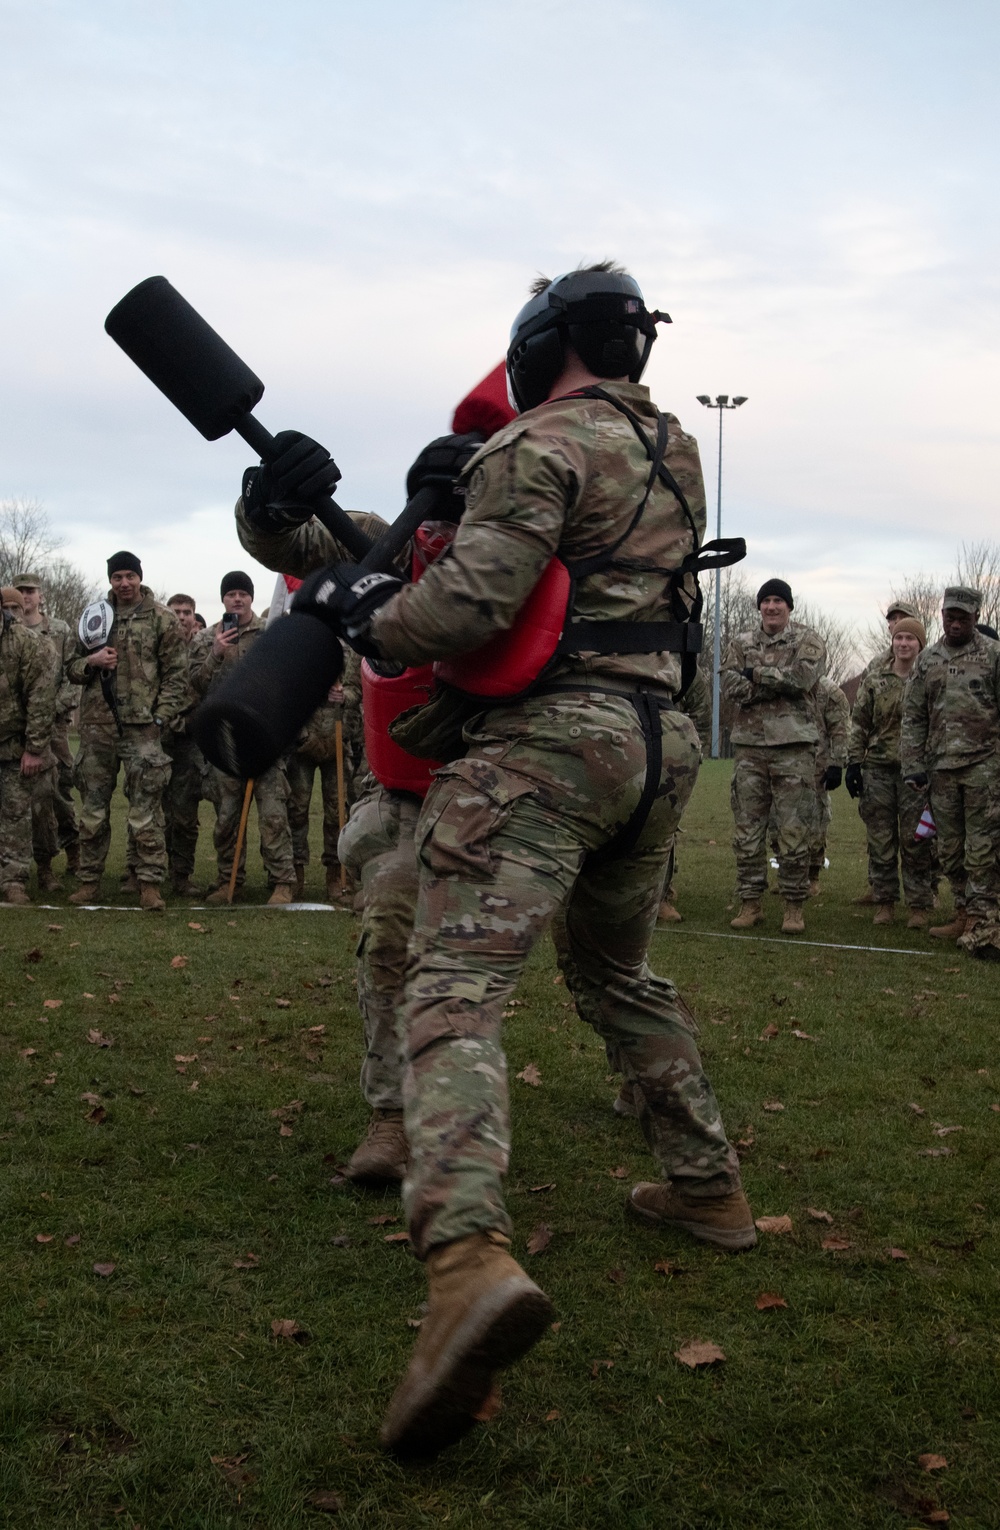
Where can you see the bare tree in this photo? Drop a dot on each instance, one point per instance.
(28, 544)
(67, 591)
(841, 643)
(978, 568)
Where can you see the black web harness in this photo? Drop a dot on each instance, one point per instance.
(682, 635)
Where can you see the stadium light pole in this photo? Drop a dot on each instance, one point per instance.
(721, 403)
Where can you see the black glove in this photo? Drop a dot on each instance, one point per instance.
(747, 674)
(853, 780)
(346, 600)
(439, 466)
(279, 494)
(832, 778)
(917, 780)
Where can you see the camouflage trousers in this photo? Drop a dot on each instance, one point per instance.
(964, 806)
(377, 846)
(301, 775)
(890, 813)
(781, 778)
(509, 836)
(53, 813)
(147, 770)
(821, 827)
(181, 802)
(15, 823)
(270, 792)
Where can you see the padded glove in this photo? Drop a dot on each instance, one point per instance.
(278, 495)
(439, 466)
(346, 599)
(832, 778)
(853, 781)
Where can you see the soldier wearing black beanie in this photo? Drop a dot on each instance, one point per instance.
(124, 562)
(777, 588)
(237, 580)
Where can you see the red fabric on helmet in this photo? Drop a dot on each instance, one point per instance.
(486, 407)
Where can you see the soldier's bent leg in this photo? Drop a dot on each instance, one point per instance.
(96, 774)
(44, 831)
(916, 855)
(817, 845)
(979, 791)
(147, 771)
(878, 806)
(791, 771)
(750, 798)
(949, 817)
(62, 796)
(15, 825)
(228, 795)
(390, 883)
(271, 795)
(300, 772)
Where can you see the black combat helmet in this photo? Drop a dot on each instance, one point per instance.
(600, 313)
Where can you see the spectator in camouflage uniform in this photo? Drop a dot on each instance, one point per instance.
(317, 751)
(889, 810)
(948, 746)
(832, 713)
(768, 676)
(27, 712)
(53, 814)
(896, 612)
(188, 768)
(145, 654)
(224, 644)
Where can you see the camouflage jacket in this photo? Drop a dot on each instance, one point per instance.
(951, 709)
(151, 678)
(877, 716)
(696, 703)
(207, 668)
(832, 712)
(27, 690)
(776, 706)
(566, 477)
(301, 549)
(62, 641)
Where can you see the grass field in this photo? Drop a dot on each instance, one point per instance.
(182, 1121)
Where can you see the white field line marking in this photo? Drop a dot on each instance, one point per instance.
(194, 908)
(827, 945)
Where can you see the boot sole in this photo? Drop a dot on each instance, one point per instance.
(733, 1240)
(428, 1415)
(385, 1176)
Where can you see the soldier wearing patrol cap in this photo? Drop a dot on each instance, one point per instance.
(948, 747)
(53, 814)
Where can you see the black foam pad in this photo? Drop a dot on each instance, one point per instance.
(258, 710)
(170, 341)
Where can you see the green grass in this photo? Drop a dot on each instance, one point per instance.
(119, 1391)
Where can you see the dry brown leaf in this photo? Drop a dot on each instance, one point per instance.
(284, 1130)
(96, 1039)
(944, 1131)
(178, 961)
(193, 926)
(538, 1189)
(768, 1299)
(836, 1245)
(773, 1105)
(616, 1277)
(803, 1036)
(541, 1237)
(400, 1237)
(28, 1052)
(932, 1463)
(50, 1079)
(898, 1253)
(769, 1032)
(283, 1003)
(530, 1075)
(185, 1057)
(53, 927)
(818, 1215)
(937, 1517)
(598, 1366)
(620, 1173)
(103, 1269)
(327, 1503)
(90, 1099)
(552, 1416)
(44, 1237)
(774, 1224)
(938, 1153)
(286, 1328)
(698, 1352)
(248, 1262)
(995, 1107)
(385, 1220)
(490, 1405)
(72, 1239)
(664, 1267)
(52, 1003)
(918, 1110)
(97, 1115)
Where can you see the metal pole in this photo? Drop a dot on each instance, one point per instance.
(717, 634)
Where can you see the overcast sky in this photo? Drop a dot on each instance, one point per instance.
(356, 197)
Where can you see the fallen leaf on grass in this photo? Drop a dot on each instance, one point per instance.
(327, 1503)
(817, 1215)
(836, 1245)
(696, 1352)
(918, 1110)
(932, 1463)
(104, 1269)
(944, 1131)
(35, 954)
(288, 1328)
(284, 1130)
(774, 1224)
(96, 1039)
(413, 1322)
(53, 927)
(541, 1237)
(52, 1003)
(27, 1052)
(552, 1416)
(185, 1057)
(619, 1173)
(234, 1471)
(616, 1277)
(768, 1299)
(937, 1153)
(538, 1189)
(193, 926)
(44, 1237)
(248, 1262)
(769, 1032)
(898, 1253)
(283, 1003)
(90, 1099)
(664, 1267)
(72, 1239)
(995, 1107)
(598, 1366)
(178, 961)
(803, 1036)
(490, 1405)
(97, 1115)
(50, 1079)
(400, 1237)
(773, 1105)
(530, 1075)
(293, 1108)
(382, 1221)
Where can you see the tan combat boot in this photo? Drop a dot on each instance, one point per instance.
(866, 899)
(47, 879)
(725, 1221)
(667, 913)
(385, 1152)
(129, 882)
(793, 922)
(150, 899)
(300, 882)
(221, 895)
(15, 895)
(919, 919)
(884, 913)
(952, 931)
(483, 1313)
(85, 893)
(750, 913)
(281, 895)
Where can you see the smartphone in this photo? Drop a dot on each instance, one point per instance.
(229, 621)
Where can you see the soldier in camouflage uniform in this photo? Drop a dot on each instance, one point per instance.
(769, 676)
(833, 714)
(889, 809)
(27, 712)
(948, 745)
(186, 787)
(146, 656)
(317, 751)
(212, 653)
(53, 815)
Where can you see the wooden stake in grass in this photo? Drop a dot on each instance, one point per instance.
(240, 836)
(341, 793)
